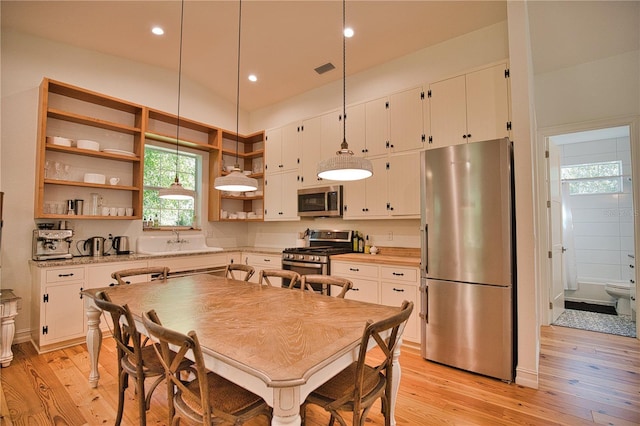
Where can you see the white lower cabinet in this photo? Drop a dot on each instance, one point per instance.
(397, 285)
(57, 309)
(263, 261)
(384, 284)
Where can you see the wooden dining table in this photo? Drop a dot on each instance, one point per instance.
(278, 343)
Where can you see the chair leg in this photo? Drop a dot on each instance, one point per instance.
(142, 401)
(122, 381)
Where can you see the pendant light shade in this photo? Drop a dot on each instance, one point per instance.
(236, 181)
(344, 166)
(176, 191)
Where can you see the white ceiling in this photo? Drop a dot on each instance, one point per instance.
(282, 41)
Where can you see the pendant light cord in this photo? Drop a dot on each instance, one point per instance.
(238, 86)
(179, 87)
(344, 79)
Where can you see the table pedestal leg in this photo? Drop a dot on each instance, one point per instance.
(395, 383)
(286, 408)
(94, 341)
(9, 313)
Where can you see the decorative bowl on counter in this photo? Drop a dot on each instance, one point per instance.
(94, 178)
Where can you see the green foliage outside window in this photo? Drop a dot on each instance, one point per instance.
(594, 178)
(160, 172)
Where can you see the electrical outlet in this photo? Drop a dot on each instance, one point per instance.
(390, 236)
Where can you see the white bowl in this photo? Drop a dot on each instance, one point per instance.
(250, 194)
(59, 140)
(229, 168)
(241, 215)
(87, 144)
(94, 178)
(247, 172)
(233, 216)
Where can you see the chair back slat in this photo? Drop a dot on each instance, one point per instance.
(243, 272)
(306, 282)
(157, 271)
(265, 274)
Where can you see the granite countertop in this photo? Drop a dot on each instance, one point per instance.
(398, 256)
(90, 260)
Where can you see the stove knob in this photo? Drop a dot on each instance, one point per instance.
(316, 258)
(301, 256)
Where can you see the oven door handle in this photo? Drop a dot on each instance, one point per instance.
(303, 264)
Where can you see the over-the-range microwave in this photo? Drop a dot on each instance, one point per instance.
(324, 201)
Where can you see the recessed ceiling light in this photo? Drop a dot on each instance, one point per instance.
(348, 32)
(157, 30)
(252, 77)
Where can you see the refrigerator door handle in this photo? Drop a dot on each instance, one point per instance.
(424, 313)
(426, 249)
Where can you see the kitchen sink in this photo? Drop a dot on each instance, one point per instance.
(174, 244)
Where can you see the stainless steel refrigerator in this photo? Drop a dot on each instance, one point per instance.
(468, 257)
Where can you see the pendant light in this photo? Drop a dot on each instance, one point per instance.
(237, 181)
(176, 191)
(344, 166)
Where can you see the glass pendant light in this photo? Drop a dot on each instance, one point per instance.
(237, 181)
(176, 191)
(344, 166)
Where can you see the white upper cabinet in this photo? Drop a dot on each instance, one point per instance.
(283, 148)
(404, 184)
(376, 127)
(406, 128)
(281, 196)
(470, 108)
(368, 198)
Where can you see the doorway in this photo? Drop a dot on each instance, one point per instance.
(591, 229)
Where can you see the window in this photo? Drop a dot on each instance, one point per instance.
(160, 172)
(594, 178)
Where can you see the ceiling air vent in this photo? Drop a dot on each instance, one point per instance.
(324, 68)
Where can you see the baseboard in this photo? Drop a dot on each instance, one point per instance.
(22, 336)
(527, 378)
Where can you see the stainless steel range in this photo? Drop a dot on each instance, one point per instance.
(315, 259)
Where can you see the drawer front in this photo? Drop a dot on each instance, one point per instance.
(349, 269)
(362, 290)
(263, 261)
(65, 274)
(395, 273)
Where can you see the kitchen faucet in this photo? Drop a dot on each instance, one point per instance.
(177, 240)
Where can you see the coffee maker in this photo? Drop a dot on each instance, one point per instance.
(48, 244)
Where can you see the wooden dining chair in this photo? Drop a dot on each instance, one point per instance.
(326, 281)
(246, 271)
(208, 398)
(358, 386)
(157, 272)
(134, 359)
(265, 274)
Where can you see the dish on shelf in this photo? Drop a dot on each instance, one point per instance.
(247, 172)
(87, 144)
(94, 178)
(59, 140)
(119, 151)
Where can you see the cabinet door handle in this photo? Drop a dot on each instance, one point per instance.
(398, 289)
(354, 269)
(65, 275)
(266, 260)
(399, 274)
(355, 289)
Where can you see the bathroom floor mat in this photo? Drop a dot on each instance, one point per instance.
(593, 321)
(590, 307)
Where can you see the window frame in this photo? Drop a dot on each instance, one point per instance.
(614, 177)
(200, 159)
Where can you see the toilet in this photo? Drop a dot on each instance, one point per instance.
(621, 291)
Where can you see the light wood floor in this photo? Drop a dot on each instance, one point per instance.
(585, 378)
